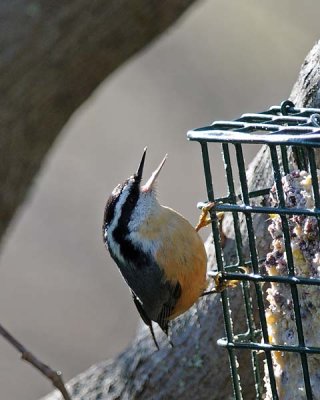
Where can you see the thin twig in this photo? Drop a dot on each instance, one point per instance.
(54, 376)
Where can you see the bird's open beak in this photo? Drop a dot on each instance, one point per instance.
(148, 186)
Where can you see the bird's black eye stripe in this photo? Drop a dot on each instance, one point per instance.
(111, 204)
(109, 210)
(128, 208)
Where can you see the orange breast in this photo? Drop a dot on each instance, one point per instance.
(181, 255)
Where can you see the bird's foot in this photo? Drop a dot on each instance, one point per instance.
(221, 283)
(205, 218)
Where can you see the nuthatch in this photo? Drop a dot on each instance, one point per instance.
(160, 255)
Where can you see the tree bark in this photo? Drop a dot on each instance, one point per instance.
(196, 367)
(52, 56)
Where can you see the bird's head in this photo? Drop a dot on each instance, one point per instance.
(131, 202)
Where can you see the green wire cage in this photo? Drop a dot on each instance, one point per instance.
(280, 289)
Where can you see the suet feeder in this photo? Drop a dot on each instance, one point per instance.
(280, 289)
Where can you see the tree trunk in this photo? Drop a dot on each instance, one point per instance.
(52, 56)
(196, 367)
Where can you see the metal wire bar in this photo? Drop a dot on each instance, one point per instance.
(255, 266)
(300, 157)
(236, 267)
(296, 280)
(284, 156)
(245, 287)
(224, 296)
(314, 177)
(315, 183)
(264, 210)
(289, 136)
(269, 347)
(291, 110)
(230, 199)
(290, 266)
(279, 120)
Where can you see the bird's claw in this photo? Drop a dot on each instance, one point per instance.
(221, 283)
(205, 218)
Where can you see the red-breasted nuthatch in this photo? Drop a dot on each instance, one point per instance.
(159, 253)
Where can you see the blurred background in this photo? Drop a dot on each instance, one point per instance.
(60, 293)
